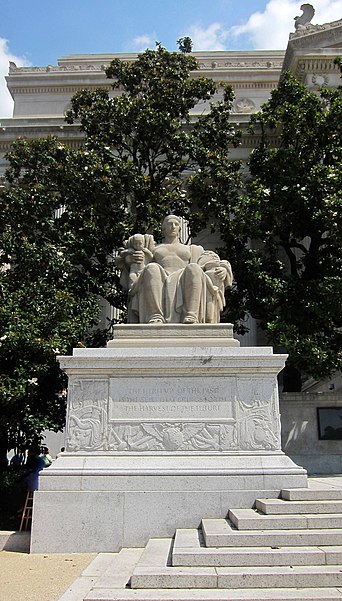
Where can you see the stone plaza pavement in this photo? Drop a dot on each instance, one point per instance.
(38, 577)
(75, 577)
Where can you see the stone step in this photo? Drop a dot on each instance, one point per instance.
(250, 519)
(219, 533)
(154, 570)
(313, 493)
(106, 572)
(112, 585)
(281, 506)
(279, 577)
(187, 551)
(259, 594)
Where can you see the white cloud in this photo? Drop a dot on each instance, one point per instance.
(212, 38)
(271, 28)
(6, 102)
(268, 29)
(141, 42)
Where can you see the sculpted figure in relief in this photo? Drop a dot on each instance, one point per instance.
(181, 283)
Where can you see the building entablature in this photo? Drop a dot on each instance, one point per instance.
(315, 70)
(208, 60)
(53, 86)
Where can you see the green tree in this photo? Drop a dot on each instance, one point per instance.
(149, 127)
(65, 210)
(284, 233)
(59, 222)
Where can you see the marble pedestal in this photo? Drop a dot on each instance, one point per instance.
(167, 425)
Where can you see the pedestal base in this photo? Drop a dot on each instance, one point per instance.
(161, 436)
(103, 503)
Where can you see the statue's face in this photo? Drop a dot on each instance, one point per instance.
(138, 241)
(171, 226)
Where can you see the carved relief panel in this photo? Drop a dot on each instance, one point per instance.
(173, 414)
(257, 425)
(243, 105)
(87, 420)
(171, 436)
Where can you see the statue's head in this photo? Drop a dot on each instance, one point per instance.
(138, 241)
(169, 222)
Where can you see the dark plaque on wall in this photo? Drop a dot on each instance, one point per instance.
(329, 423)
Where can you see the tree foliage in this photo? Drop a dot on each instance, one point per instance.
(59, 223)
(65, 210)
(146, 153)
(149, 126)
(285, 231)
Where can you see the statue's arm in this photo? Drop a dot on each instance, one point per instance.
(124, 269)
(196, 253)
(148, 256)
(127, 255)
(228, 280)
(211, 262)
(119, 259)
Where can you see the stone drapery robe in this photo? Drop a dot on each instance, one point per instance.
(212, 300)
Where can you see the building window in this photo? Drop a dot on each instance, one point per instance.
(329, 423)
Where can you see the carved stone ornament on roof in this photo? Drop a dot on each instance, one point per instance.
(303, 20)
(243, 105)
(260, 64)
(310, 28)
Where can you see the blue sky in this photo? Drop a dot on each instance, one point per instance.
(38, 32)
(43, 30)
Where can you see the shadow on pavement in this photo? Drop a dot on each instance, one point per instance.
(15, 542)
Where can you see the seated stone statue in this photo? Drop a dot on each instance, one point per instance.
(182, 283)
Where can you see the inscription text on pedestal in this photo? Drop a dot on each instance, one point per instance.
(191, 398)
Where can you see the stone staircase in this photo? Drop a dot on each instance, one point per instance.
(288, 548)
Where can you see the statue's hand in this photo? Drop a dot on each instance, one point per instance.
(221, 273)
(138, 256)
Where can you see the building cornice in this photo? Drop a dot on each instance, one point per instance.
(76, 63)
(57, 89)
(309, 29)
(314, 39)
(12, 129)
(72, 89)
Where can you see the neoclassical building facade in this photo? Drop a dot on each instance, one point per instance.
(42, 94)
